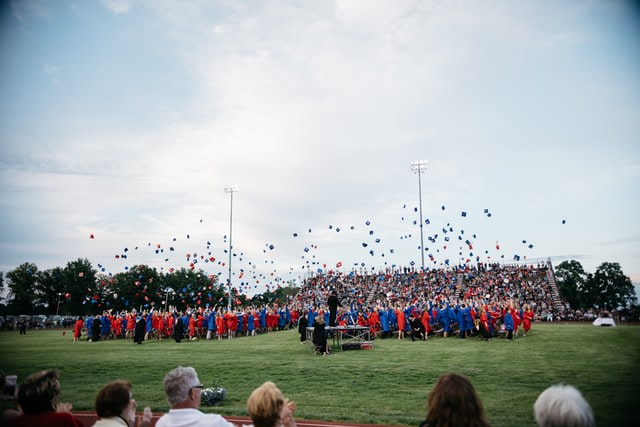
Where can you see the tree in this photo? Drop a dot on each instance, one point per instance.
(79, 284)
(3, 296)
(23, 282)
(140, 286)
(608, 288)
(571, 278)
(51, 289)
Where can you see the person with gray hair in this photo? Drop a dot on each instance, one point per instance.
(183, 388)
(563, 406)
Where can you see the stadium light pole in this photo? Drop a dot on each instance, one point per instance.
(230, 189)
(58, 306)
(419, 167)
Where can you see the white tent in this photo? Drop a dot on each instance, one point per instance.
(604, 321)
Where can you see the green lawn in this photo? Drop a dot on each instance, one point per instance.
(386, 385)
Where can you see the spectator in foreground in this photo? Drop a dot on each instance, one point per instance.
(267, 407)
(37, 398)
(563, 406)
(182, 388)
(116, 407)
(454, 402)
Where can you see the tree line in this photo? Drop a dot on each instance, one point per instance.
(79, 289)
(606, 289)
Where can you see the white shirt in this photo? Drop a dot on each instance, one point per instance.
(190, 417)
(110, 422)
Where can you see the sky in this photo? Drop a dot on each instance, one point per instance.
(122, 122)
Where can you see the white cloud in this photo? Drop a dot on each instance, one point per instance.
(118, 6)
(53, 72)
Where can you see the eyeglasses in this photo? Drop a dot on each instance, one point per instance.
(200, 386)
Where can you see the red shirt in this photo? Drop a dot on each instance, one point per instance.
(49, 419)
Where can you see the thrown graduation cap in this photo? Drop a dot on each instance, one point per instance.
(364, 245)
(564, 221)
(295, 234)
(442, 207)
(530, 246)
(463, 213)
(516, 257)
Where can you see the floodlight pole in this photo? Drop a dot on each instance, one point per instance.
(419, 167)
(230, 189)
(58, 306)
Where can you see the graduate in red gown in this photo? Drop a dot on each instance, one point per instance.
(220, 325)
(192, 326)
(527, 318)
(401, 322)
(77, 329)
(426, 319)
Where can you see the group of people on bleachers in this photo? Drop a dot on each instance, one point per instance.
(453, 402)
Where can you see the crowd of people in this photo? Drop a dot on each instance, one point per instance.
(483, 300)
(193, 323)
(37, 405)
(453, 401)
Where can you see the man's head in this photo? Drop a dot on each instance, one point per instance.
(183, 388)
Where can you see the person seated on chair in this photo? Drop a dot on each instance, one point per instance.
(454, 402)
(183, 390)
(417, 328)
(267, 407)
(116, 407)
(563, 406)
(320, 336)
(37, 399)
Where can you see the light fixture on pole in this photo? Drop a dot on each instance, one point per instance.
(419, 167)
(230, 189)
(58, 306)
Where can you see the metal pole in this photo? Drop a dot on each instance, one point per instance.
(419, 167)
(58, 306)
(421, 232)
(230, 189)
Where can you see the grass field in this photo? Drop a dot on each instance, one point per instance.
(386, 385)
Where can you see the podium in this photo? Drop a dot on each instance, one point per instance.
(349, 337)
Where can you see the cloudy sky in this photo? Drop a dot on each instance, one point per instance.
(124, 120)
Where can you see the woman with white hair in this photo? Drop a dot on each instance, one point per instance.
(563, 406)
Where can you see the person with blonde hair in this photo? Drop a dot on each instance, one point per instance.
(268, 407)
(454, 402)
(563, 406)
(116, 407)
